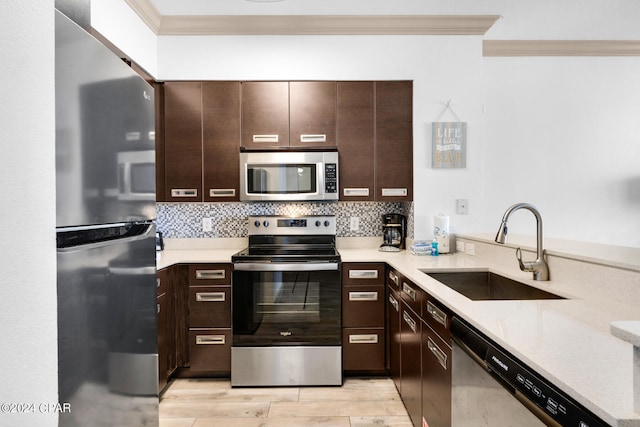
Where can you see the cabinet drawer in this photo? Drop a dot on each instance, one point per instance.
(209, 274)
(209, 306)
(437, 317)
(363, 306)
(355, 273)
(363, 349)
(412, 295)
(210, 350)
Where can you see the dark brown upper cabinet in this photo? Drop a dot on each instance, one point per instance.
(201, 141)
(288, 115)
(355, 140)
(394, 141)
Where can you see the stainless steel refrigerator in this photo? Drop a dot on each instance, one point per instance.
(105, 163)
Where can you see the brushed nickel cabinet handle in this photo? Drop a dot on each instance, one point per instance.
(210, 296)
(265, 138)
(363, 296)
(362, 192)
(363, 339)
(210, 339)
(394, 192)
(409, 321)
(210, 274)
(222, 192)
(439, 354)
(409, 291)
(437, 314)
(394, 303)
(184, 192)
(363, 274)
(394, 278)
(313, 138)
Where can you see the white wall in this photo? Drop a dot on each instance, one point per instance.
(28, 354)
(564, 134)
(442, 67)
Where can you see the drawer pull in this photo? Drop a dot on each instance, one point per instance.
(439, 354)
(210, 296)
(409, 291)
(363, 274)
(184, 192)
(222, 192)
(394, 192)
(363, 296)
(363, 339)
(437, 314)
(210, 339)
(210, 274)
(265, 138)
(313, 138)
(362, 192)
(409, 321)
(394, 303)
(394, 278)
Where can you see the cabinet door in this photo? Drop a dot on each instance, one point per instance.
(265, 115)
(355, 140)
(394, 141)
(163, 347)
(436, 379)
(393, 336)
(183, 141)
(221, 141)
(410, 364)
(312, 113)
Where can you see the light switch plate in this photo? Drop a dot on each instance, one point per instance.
(354, 223)
(207, 224)
(462, 206)
(459, 246)
(470, 249)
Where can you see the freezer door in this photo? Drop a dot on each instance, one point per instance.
(105, 134)
(107, 328)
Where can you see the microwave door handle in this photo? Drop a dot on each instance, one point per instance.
(125, 178)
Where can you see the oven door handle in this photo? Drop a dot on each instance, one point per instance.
(286, 266)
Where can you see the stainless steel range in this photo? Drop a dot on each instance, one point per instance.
(287, 304)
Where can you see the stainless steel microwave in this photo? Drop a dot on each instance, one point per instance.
(289, 176)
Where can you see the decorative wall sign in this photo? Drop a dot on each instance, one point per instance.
(449, 145)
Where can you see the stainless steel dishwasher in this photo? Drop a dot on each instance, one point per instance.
(492, 388)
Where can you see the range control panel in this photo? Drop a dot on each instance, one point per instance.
(284, 225)
(557, 405)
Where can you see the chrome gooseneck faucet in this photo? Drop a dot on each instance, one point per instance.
(538, 267)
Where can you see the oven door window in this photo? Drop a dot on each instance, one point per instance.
(286, 308)
(282, 179)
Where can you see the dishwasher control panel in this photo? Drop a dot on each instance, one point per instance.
(555, 404)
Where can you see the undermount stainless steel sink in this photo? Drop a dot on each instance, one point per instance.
(485, 285)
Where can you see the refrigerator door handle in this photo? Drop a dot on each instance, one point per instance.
(71, 238)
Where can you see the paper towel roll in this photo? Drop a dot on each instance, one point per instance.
(441, 232)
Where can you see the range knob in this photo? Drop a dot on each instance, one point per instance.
(327, 223)
(265, 223)
(318, 223)
(257, 224)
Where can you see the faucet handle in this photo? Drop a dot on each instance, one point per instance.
(519, 256)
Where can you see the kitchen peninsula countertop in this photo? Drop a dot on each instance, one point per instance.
(569, 341)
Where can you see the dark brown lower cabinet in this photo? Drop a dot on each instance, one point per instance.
(410, 363)
(363, 350)
(436, 379)
(393, 336)
(210, 350)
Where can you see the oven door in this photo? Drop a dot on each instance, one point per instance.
(287, 304)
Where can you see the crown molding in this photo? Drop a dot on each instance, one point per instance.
(310, 24)
(560, 48)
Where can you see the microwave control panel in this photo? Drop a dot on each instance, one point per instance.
(330, 178)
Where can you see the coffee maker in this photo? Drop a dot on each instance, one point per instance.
(394, 231)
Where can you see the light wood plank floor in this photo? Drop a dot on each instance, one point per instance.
(360, 402)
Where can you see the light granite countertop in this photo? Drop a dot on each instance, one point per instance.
(568, 341)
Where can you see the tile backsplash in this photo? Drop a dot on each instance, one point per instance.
(184, 220)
